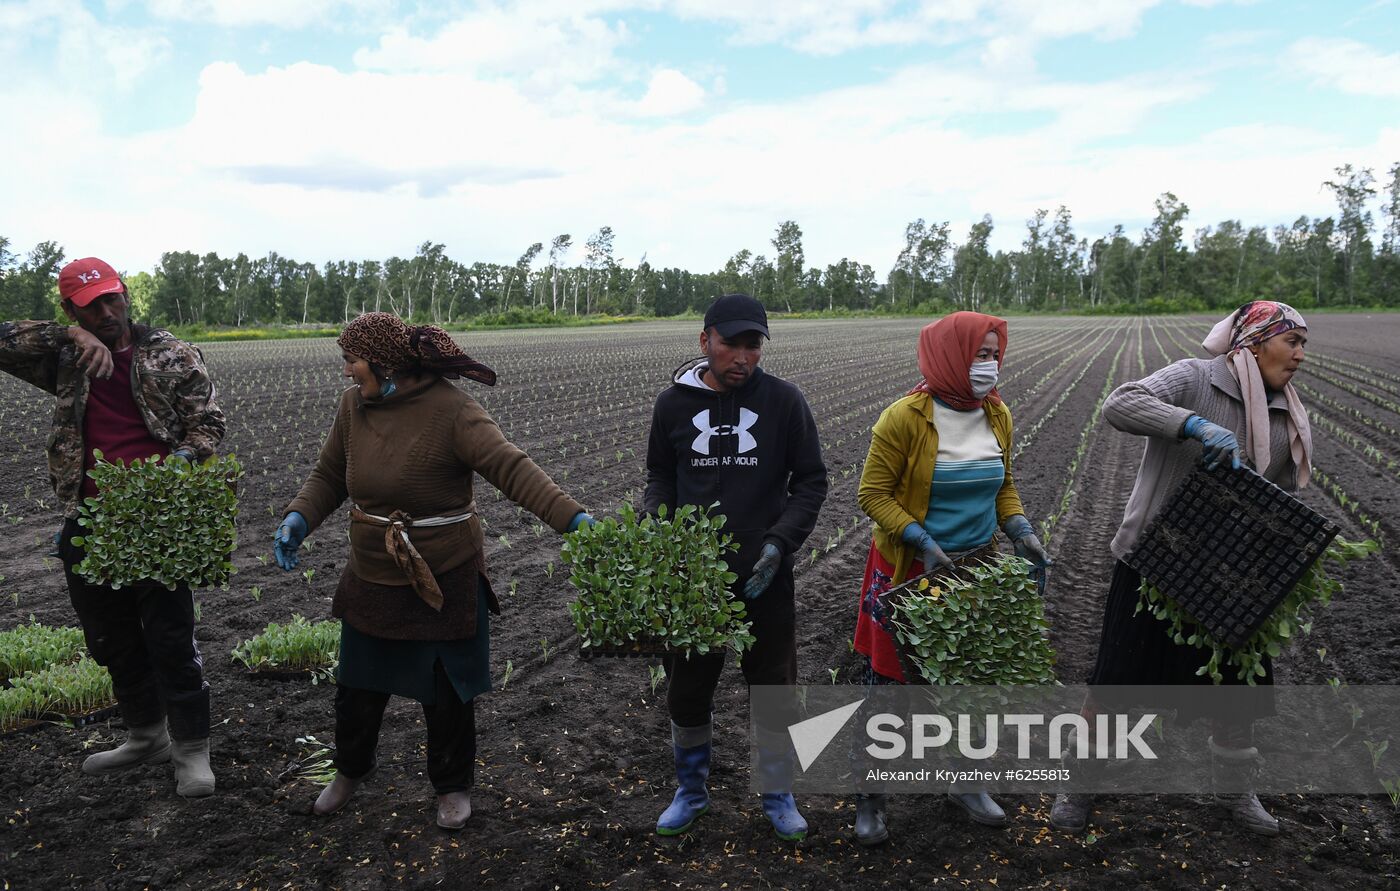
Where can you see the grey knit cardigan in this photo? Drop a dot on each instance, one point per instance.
(1157, 407)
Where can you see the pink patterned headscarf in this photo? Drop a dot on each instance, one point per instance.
(1246, 327)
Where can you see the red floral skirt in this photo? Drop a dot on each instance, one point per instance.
(871, 638)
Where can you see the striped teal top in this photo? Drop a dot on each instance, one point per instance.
(967, 475)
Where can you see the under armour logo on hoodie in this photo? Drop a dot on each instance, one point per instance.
(747, 419)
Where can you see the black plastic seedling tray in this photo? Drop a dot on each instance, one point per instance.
(1228, 546)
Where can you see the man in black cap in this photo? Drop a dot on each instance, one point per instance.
(726, 432)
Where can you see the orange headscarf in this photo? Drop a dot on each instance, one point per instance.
(947, 349)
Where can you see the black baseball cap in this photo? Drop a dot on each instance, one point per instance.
(736, 313)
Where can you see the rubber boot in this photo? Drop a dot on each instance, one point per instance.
(454, 809)
(775, 773)
(1234, 774)
(193, 777)
(871, 827)
(144, 745)
(691, 747)
(337, 793)
(1071, 810)
(980, 806)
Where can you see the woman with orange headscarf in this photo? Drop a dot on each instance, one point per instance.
(937, 483)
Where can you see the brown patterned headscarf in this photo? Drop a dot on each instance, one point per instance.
(387, 341)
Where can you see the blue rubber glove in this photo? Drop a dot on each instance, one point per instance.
(930, 554)
(582, 518)
(1023, 538)
(287, 540)
(184, 455)
(1028, 547)
(764, 571)
(1217, 442)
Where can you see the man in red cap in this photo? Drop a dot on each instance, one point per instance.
(130, 392)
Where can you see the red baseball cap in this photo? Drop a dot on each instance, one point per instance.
(83, 281)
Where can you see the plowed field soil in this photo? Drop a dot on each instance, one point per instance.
(574, 760)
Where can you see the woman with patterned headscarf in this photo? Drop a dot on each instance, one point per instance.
(1242, 408)
(937, 482)
(414, 598)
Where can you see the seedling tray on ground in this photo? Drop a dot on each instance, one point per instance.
(1227, 547)
(50, 719)
(908, 661)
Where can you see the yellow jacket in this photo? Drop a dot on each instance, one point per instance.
(894, 485)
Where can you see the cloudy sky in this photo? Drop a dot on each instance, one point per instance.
(343, 129)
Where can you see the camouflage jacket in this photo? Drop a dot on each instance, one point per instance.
(173, 392)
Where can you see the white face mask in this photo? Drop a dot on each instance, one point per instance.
(983, 377)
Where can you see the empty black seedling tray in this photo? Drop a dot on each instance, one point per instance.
(1228, 546)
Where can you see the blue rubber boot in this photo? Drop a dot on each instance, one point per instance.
(692, 750)
(775, 781)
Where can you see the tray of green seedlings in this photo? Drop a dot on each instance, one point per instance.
(297, 649)
(186, 512)
(78, 693)
(982, 623)
(31, 647)
(653, 586)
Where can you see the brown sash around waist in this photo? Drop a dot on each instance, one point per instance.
(406, 556)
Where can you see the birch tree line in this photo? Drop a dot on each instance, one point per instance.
(1348, 259)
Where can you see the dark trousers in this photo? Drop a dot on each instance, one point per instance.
(451, 733)
(772, 659)
(144, 636)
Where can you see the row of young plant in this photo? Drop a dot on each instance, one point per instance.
(1358, 446)
(1027, 436)
(1366, 371)
(1353, 388)
(1085, 440)
(1345, 501)
(1356, 371)
(1350, 411)
(1010, 388)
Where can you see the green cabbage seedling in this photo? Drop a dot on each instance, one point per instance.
(168, 521)
(656, 584)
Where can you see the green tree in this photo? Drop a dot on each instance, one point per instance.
(1353, 188)
(557, 249)
(1165, 253)
(598, 256)
(971, 263)
(787, 241)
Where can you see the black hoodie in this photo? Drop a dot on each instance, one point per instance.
(753, 449)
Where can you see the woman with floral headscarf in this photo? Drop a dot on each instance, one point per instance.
(937, 482)
(414, 598)
(1241, 407)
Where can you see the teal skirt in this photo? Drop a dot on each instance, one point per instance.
(405, 667)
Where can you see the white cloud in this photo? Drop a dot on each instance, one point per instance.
(87, 52)
(670, 93)
(1346, 65)
(249, 13)
(512, 123)
(831, 28)
(528, 42)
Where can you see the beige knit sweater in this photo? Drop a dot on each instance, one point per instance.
(1157, 407)
(416, 452)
